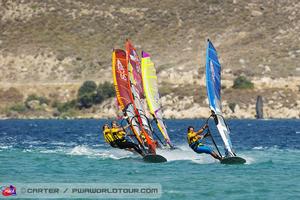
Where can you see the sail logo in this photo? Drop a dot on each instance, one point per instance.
(134, 57)
(121, 70)
(9, 190)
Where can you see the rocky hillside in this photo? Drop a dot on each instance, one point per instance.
(50, 47)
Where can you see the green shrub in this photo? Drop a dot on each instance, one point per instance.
(55, 104)
(32, 97)
(86, 101)
(87, 88)
(104, 91)
(107, 89)
(34, 7)
(65, 107)
(69, 114)
(87, 94)
(98, 98)
(44, 100)
(20, 108)
(242, 82)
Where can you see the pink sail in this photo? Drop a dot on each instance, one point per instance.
(134, 63)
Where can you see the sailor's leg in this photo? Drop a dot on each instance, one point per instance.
(207, 150)
(120, 144)
(113, 144)
(203, 149)
(135, 147)
(130, 145)
(215, 155)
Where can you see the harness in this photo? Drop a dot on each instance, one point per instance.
(108, 138)
(190, 139)
(194, 145)
(106, 133)
(116, 137)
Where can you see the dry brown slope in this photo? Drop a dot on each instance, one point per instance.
(55, 41)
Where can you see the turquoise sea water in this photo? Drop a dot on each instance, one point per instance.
(70, 151)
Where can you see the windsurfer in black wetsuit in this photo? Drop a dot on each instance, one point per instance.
(119, 137)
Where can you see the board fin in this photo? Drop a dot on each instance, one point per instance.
(151, 158)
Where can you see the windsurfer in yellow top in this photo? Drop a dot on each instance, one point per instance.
(195, 140)
(108, 136)
(116, 137)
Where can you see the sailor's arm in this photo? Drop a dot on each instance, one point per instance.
(125, 127)
(202, 129)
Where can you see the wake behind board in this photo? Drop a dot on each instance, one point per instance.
(151, 158)
(233, 160)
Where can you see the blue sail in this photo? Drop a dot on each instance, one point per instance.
(213, 78)
(213, 88)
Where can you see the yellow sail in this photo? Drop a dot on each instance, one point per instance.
(152, 96)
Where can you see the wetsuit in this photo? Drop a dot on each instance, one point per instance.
(122, 143)
(195, 142)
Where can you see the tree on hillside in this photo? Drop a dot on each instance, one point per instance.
(89, 94)
(87, 87)
(40, 100)
(105, 91)
(86, 94)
